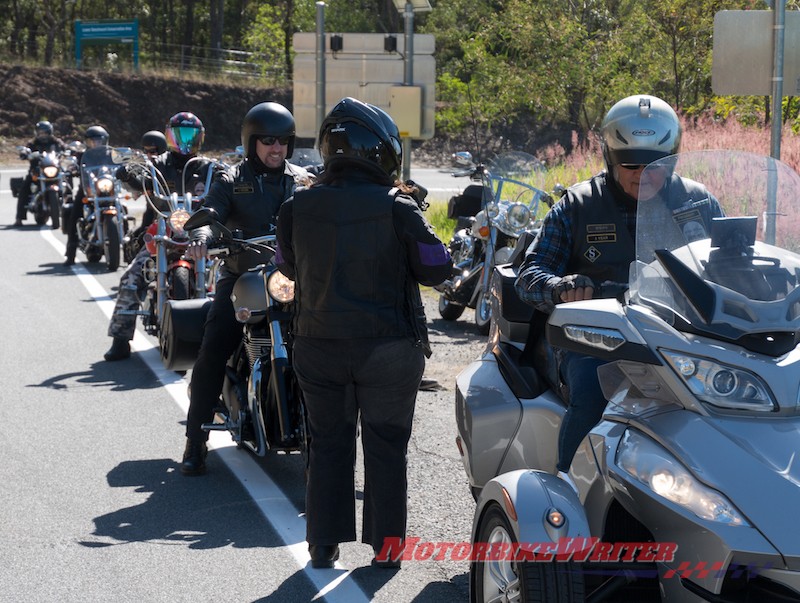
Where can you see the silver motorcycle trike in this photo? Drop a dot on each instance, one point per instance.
(689, 487)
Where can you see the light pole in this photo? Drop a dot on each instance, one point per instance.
(407, 7)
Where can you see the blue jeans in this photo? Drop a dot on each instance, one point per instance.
(585, 407)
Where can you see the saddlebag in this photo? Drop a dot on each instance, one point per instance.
(16, 186)
(467, 203)
(182, 331)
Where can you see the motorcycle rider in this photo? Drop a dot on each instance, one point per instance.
(357, 245)
(153, 143)
(587, 238)
(95, 136)
(44, 141)
(245, 198)
(184, 134)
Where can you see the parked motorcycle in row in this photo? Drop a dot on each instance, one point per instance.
(50, 184)
(170, 275)
(262, 405)
(689, 485)
(103, 222)
(491, 216)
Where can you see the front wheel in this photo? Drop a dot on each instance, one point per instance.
(180, 283)
(448, 310)
(111, 244)
(483, 313)
(502, 578)
(54, 206)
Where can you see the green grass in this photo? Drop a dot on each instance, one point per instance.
(437, 216)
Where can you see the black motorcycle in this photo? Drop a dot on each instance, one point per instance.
(103, 221)
(262, 405)
(50, 183)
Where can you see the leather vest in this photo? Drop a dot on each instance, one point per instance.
(602, 245)
(352, 269)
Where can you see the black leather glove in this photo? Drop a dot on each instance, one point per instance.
(569, 283)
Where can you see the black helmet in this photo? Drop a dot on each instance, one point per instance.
(96, 136)
(267, 119)
(358, 131)
(43, 128)
(638, 130)
(154, 142)
(185, 133)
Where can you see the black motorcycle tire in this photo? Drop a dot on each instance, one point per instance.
(536, 580)
(54, 206)
(41, 212)
(448, 310)
(483, 314)
(180, 283)
(111, 245)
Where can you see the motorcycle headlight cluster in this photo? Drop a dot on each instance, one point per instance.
(50, 171)
(719, 384)
(177, 220)
(653, 466)
(518, 216)
(105, 187)
(280, 287)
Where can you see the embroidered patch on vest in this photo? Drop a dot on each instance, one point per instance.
(592, 254)
(243, 188)
(601, 233)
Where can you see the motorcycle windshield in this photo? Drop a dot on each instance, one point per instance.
(517, 183)
(735, 276)
(96, 163)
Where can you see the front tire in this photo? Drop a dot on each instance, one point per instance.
(505, 579)
(448, 310)
(55, 208)
(180, 283)
(483, 313)
(112, 243)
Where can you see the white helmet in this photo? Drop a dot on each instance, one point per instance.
(638, 130)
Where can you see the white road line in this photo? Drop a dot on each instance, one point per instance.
(333, 584)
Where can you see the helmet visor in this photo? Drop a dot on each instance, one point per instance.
(184, 140)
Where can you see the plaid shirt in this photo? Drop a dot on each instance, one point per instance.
(547, 258)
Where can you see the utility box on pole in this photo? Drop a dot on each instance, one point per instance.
(369, 67)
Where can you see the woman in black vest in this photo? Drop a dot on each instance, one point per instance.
(357, 248)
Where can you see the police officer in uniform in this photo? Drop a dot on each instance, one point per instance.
(588, 238)
(358, 246)
(246, 198)
(184, 134)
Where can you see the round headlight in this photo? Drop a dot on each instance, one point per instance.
(724, 382)
(50, 171)
(519, 216)
(177, 219)
(105, 186)
(280, 287)
(492, 210)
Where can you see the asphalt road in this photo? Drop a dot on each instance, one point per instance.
(92, 505)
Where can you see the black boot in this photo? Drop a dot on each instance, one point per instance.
(70, 255)
(194, 457)
(120, 350)
(323, 555)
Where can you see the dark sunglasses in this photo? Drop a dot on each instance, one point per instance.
(632, 166)
(151, 150)
(271, 140)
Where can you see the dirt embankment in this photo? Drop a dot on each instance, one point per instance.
(127, 105)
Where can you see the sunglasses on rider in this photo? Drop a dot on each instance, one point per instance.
(151, 150)
(632, 166)
(271, 140)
